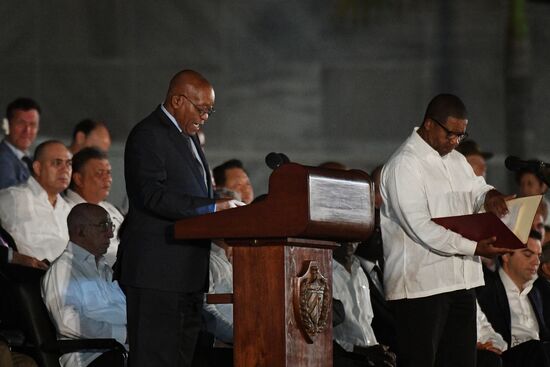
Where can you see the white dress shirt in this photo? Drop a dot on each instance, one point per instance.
(485, 331)
(221, 281)
(73, 198)
(421, 257)
(352, 289)
(522, 316)
(38, 228)
(83, 301)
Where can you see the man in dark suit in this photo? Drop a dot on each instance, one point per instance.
(514, 307)
(167, 178)
(23, 116)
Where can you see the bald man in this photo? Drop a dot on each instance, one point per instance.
(34, 213)
(79, 292)
(167, 179)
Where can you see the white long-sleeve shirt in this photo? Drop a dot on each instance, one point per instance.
(221, 281)
(485, 331)
(38, 228)
(352, 289)
(421, 257)
(83, 301)
(73, 198)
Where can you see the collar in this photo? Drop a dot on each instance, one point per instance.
(74, 197)
(421, 147)
(171, 118)
(81, 254)
(18, 153)
(510, 286)
(37, 189)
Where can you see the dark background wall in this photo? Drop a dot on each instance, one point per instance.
(320, 80)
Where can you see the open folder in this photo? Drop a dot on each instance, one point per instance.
(511, 231)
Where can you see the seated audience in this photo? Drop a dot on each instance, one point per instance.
(474, 156)
(79, 291)
(371, 256)
(91, 183)
(355, 342)
(90, 133)
(221, 281)
(231, 176)
(514, 306)
(34, 213)
(490, 344)
(8, 255)
(23, 116)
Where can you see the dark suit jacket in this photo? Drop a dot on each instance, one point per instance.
(494, 303)
(163, 184)
(14, 171)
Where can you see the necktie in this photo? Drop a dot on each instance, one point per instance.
(379, 275)
(197, 159)
(28, 162)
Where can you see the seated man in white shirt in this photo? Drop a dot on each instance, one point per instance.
(91, 183)
(34, 213)
(490, 344)
(79, 291)
(221, 281)
(515, 308)
(355, 342)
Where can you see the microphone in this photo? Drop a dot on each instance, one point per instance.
(539, 168)
(515, 164)
(275, 160)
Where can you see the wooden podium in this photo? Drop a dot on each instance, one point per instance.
(282, 261)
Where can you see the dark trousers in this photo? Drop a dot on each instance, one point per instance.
(162, 327)
(487, 358)
(528, 354)
(438, 330)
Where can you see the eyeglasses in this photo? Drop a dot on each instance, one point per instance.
(104, 226)
(202, 111)
(451, 134)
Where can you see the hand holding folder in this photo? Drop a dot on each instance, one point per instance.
(511, 231)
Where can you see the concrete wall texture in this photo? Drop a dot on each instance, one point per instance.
(320, 80)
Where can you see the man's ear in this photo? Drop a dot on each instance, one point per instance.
(80, 138)
(36, 165)
(77, 178)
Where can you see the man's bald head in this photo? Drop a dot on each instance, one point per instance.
(190, 100)
(83, 214)
(186, 81)
(91, 228)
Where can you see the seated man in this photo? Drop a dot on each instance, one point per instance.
(79, 291)
(91, 183)
(490, 344)
(90, 133)
(221, 281)
(514, 307)
(34, 213)
(9, 256)
(23, 116)
(371, 256)
(355, 342)
(231, 176)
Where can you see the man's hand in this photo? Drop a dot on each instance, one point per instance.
(495, 203)
(223, 204)
(485, 248)
(29, 261)
(377, 355)
(488, 345)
